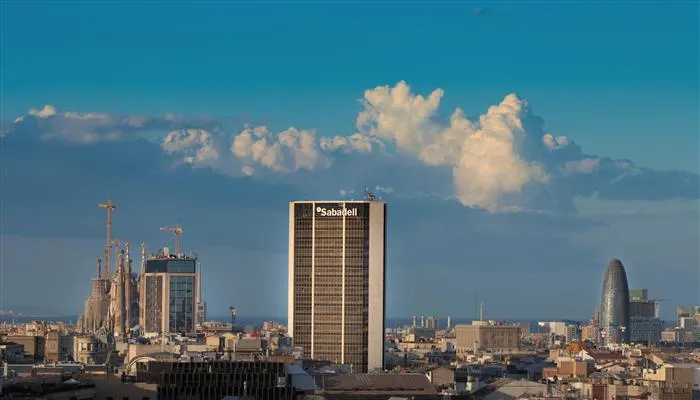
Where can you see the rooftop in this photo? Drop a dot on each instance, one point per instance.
(416, 384)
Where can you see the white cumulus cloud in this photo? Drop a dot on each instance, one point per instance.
(500, 161)
(290, 150)
(487, 156)
(46, 111)
(196, 144)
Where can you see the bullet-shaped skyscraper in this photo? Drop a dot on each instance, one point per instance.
(336, 281)
(615, 304)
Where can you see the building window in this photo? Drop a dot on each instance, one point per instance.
(181, 304)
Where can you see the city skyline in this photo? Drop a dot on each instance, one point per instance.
(513, 171)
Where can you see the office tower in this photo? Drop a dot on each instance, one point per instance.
(432, 322)
(645, 324)
(449, 322)
(336, 281)
(639, 294)
(169, 293)
(615, 305)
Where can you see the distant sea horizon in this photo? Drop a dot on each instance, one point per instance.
(256, 321)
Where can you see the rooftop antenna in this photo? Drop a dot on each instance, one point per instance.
(109, 207)
(177, 230)
(481, 311)
(369, 196)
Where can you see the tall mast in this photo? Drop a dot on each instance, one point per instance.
(109, 207)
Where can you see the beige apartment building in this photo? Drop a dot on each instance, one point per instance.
(674, 381)
(485, 336)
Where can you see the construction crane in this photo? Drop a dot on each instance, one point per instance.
(109, 207)
(177, 230)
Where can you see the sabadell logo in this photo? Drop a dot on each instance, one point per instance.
(324, 212)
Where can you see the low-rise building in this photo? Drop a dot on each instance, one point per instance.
(675, 375)
(11, 352)
(59, 347)
(34, 346)
(569, 368)
(89, 349)
(485, 336)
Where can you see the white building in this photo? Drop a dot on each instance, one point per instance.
(336, 281)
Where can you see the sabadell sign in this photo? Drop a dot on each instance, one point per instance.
(331, 212)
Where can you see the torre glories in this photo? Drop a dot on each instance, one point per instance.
(615, 305)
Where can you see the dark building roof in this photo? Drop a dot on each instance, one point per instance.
(606, 355)
(395, 384)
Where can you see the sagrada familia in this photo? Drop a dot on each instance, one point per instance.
(113, 304)
(114, 301)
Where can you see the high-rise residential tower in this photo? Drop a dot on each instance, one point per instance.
(615, 305)
(337, 280)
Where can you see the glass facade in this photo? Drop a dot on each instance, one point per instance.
(643, 308)
(181, 307)
(331, 281)
(170, 265)
(645, 330)
(615, 304)
(170, 295)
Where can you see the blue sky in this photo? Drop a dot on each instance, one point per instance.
(620, 80)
